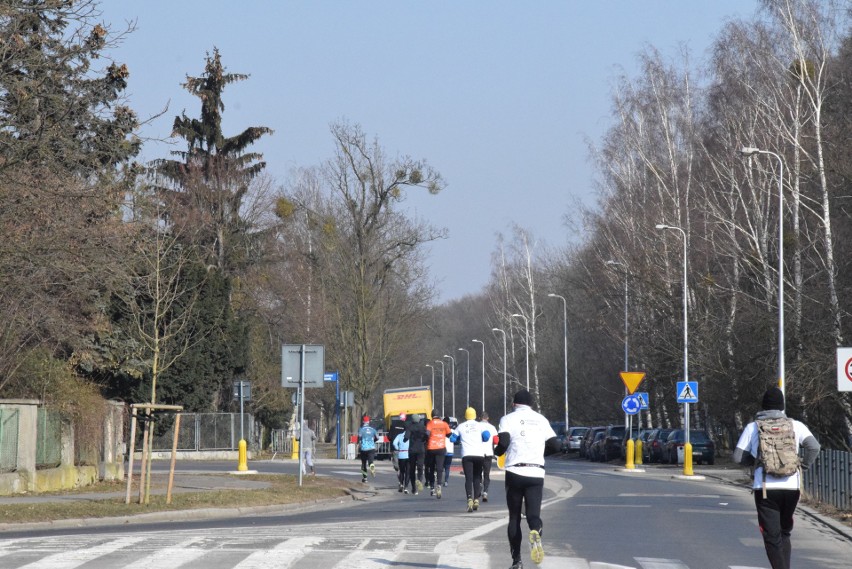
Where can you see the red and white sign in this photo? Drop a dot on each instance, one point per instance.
(844, 369)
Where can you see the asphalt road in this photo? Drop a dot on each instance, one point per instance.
(596, 517)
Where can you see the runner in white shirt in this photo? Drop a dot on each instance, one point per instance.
(525, 437)
(488, 454)
(472, 437)
(775, 507)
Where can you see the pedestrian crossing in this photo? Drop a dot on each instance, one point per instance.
(467, 542)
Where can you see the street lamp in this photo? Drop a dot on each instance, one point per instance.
(527, 327)
(565, 348)
(433, 378)
(442, 386)
(453, 383)
(483, 371)
(750, 151)
(505, 401)
(687, 449)
(468, 375)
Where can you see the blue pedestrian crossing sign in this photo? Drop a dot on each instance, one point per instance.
(631, 404)
(643, 399)
(687, 392)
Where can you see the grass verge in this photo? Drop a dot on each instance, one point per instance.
(283, 489)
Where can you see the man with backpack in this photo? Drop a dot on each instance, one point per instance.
(771, 444)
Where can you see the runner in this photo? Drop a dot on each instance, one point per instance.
(367, 439)
(451, 450)
(415, 432)
(525, 437)
(436, 449)
(400, 445)
(471, 435)
(488, 453)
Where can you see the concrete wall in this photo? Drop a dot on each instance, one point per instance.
(27, 479)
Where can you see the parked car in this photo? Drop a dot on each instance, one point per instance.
(612, 443)
(652, 449)
(575, 437)
(596, 449)
(637, 435)
(703, 449)
(587, 441)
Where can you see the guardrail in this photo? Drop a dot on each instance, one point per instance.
(829, 480)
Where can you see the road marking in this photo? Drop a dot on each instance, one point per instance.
(653, 563)
(76, 558)
(170, 557)
(295, 547)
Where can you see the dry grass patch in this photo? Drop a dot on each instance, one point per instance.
(283, 489)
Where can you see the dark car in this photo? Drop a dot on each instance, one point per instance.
(654, 445)
(596, 449)
(614, 434)
(703, 449)
(574, 438)
(588, 438)
(636, 435)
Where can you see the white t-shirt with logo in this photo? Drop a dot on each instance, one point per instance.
(470, 437)
(528, 432)
(488, 445)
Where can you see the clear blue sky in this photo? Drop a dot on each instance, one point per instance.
(499, 96)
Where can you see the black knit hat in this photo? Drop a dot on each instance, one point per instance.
(522, 397)
(773, 399)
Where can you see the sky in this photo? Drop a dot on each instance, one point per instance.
(502, 98)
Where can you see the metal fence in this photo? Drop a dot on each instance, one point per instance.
(829, 479)
(204, 431)
(48, 438)
(9, 440)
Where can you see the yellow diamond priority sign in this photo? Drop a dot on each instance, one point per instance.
(632, 379)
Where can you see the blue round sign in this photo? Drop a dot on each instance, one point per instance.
(631, 404)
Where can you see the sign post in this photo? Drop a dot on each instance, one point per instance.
(302, 366)
(631, 405)
(334, 376)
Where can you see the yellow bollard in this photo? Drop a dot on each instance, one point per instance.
(243, 462)
(638, 459)
(629, 453)
(687, 459)
(295, 455)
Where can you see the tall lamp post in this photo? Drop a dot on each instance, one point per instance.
(453, 383)
(750, 151)
(433, 378)
(565, 349)
(442, 386)
(468, 375)
(505, 401)
(527, 327)
(687, 448)
(483, 371)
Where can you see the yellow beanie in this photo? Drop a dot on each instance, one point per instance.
(470, 414)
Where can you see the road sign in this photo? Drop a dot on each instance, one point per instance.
(291, 365)
(632, 379)
(844, 369)
(330, 376)
(643, 397)
(687, 392)
(631, 404)
(242, 388)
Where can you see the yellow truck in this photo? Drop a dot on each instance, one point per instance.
(407, 400)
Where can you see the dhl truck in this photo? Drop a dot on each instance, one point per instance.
(408, 400)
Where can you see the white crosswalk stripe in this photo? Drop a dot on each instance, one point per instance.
(436, 545)
(71, 559)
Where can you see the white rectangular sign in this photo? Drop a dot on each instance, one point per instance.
(844, 369)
